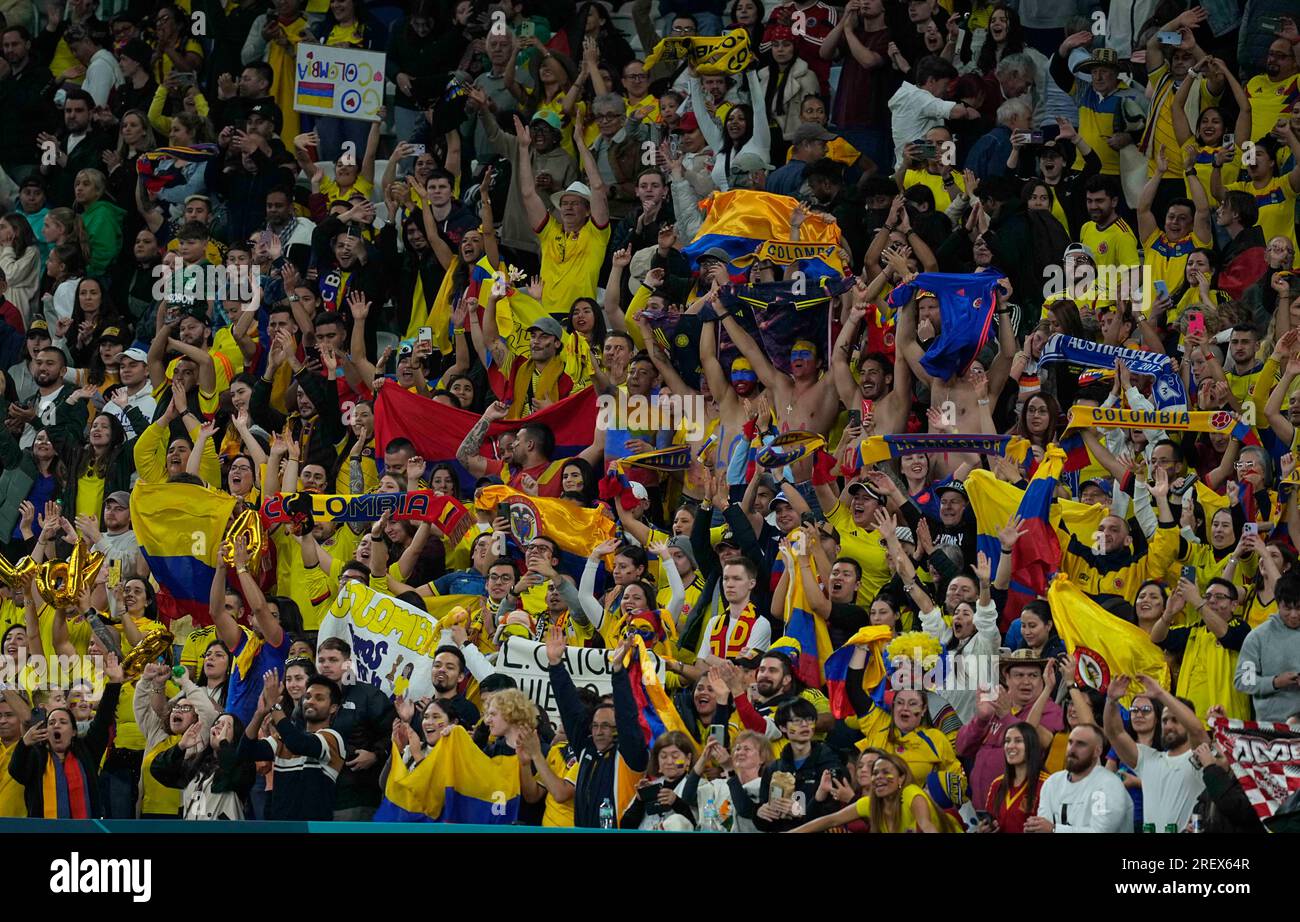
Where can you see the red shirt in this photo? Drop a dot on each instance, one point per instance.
(1013, 807)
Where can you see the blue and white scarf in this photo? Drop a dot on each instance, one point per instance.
(1168, 392)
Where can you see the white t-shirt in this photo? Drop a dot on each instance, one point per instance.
(913, 112)
(1170, 787)
(1097, 802)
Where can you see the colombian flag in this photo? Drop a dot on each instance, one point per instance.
(574, 528)
(1105, 645)
(874, 679)
(180, 527)
(656, 712)
(456, 783)
(994, 502)
(1036, 557)
(437, 429)
(742, 220)
(516, 310)
(809, 630)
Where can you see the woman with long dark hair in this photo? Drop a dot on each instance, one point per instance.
(39, 476)
(103, 465)
(592, 21)
(579, 482)
(214, 672)
(20, 260)
(92, 312)
(1013, 796)
(213, 781)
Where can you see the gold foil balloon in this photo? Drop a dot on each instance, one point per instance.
(12, 575)
(248, 526)
(155, 645)
(63, 584)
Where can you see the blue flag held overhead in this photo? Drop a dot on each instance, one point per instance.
(966, 307)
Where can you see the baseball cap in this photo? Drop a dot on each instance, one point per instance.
(727, 539)
(1080, 249)
(1061, 147)
(113, 334)
(807, 131)
(38, 326)
(549, 325)
(717, 253)
(952, 486)
(33, 180)
(549, 117)
(135, 355)
(904, 535)
(779, 498)
(687, 123)
(121, 497)
(269, 111)
(860, 487)
(639, 490)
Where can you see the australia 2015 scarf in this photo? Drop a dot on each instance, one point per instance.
(1168, 392)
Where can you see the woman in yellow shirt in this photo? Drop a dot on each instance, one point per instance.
(894, 804)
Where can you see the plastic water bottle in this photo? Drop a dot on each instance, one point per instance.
(606, 814)
(710, 822)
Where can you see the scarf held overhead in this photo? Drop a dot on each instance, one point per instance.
(1221, 421)
(1080, 353)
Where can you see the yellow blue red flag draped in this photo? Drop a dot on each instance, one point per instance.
(456, 783)
(995, 501)
(574, 528)
(805, 626)
(875, 676)
(741, 221)
(656, 712)
(1103, 645)
(179, 527)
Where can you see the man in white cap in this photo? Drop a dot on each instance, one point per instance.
(135, 390)
(572, 245)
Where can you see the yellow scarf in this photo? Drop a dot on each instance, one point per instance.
(523, 385)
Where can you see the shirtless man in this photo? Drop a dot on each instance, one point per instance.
(889, 388)
(739, 395)
(964, 403)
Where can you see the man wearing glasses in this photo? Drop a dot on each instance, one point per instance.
(1172, 779)
(641, 103)
(1209, 646)
(1270, 90)
(617, 150)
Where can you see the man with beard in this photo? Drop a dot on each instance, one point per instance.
(307, 761)
(529, 383)
(22, 88)
(737, 391)
(80, 146)
(448, 670)
(63, 418)
(884, 387)
(529, 461)
(1270, 91)
(1171, 781)
(294, 232)
(1085, 797)
(364, 721)
(774, 685)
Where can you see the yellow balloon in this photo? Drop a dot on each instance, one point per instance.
(248, 524)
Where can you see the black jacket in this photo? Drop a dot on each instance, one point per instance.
(596, 769)
(28, 111)
(365, 721)
(27, 766)
(806, 779)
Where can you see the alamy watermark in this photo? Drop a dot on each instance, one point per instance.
(46, 673)
(75, 874)
(184, 283)
(651, 414)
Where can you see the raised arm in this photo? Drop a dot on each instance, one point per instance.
(1125, 746)
(534, 208)
(468, 452)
